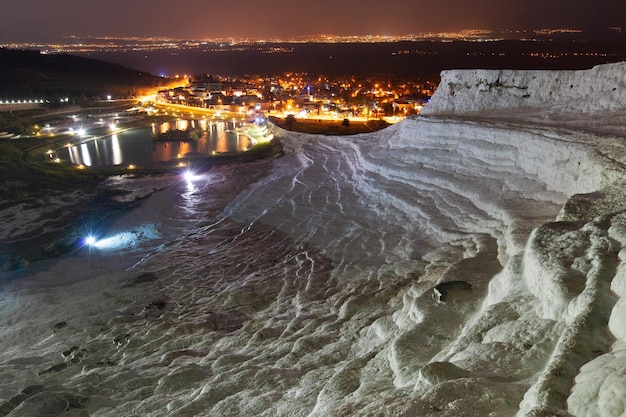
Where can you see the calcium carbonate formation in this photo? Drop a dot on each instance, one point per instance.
(466, 262)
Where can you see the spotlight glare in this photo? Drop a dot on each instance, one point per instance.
(90, 240)
(189, 176)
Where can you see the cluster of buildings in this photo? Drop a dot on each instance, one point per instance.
(306, 96)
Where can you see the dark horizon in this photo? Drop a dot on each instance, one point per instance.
(34, 20)
(395, 59)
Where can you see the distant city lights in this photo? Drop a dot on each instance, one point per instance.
(124, 44)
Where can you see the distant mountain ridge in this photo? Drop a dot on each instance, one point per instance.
(31, 74)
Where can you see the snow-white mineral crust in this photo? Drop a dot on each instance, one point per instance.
(467, 262)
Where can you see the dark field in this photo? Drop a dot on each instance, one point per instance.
(401, 59)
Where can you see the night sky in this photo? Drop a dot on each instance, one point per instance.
(22, 20)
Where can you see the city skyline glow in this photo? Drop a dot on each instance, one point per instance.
(36, 20)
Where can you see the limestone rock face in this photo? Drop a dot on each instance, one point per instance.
(600, 89)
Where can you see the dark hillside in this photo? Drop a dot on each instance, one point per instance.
(28, 74)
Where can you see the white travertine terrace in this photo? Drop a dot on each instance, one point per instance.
(466, 262)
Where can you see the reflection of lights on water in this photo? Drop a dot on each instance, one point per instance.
(190, 177)
(117, 150)
(223, 137)
(191, 190)
(86, 157)
(74, 154)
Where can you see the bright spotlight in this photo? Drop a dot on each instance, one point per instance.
(90, 240)
(189, 176)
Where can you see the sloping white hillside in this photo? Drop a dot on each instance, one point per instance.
(468, 262)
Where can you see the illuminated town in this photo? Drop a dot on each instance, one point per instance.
(319, 94)
(304, 96)
(398, 89)
(86, 44)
